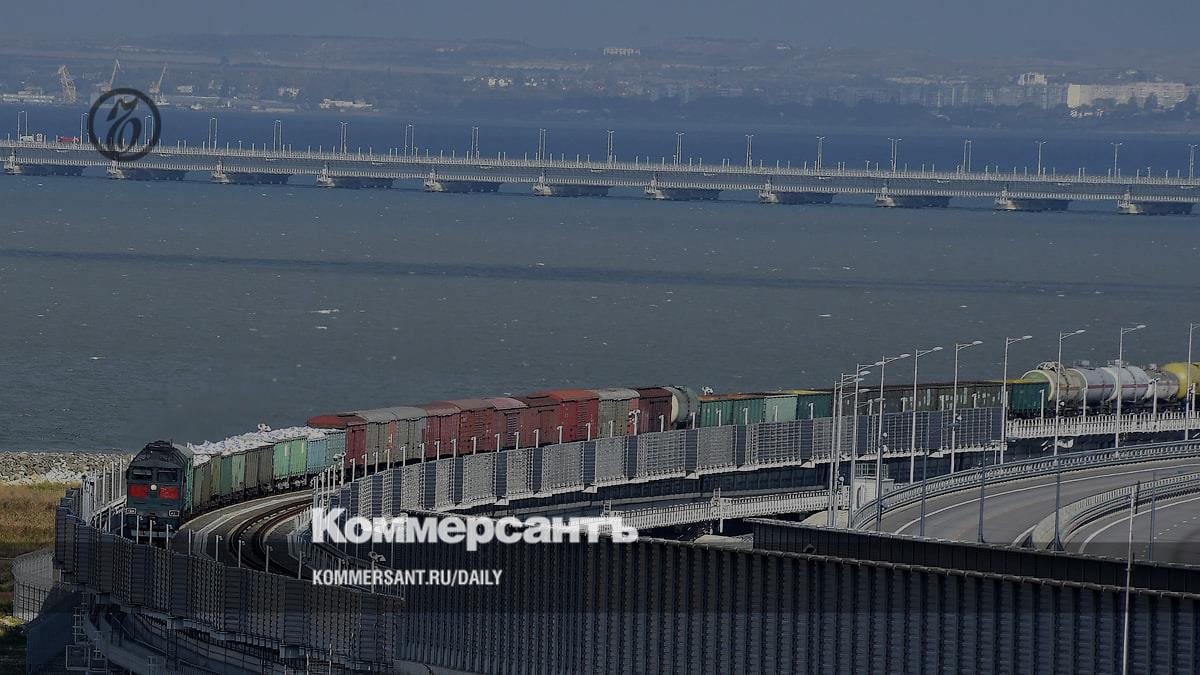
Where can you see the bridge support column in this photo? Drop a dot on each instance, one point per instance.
(127, 173)
(459, 186)
(353, 182)
(1023, 204)
(682, 194)
(544, 190)
(893, 201)
(775, 197)
(1130, 207)
(14, 168)
(248, 178)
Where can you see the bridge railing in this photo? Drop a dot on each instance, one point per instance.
(864, 516)
(1089, 509)
(718, 508)
(1102, 424)
(758, 171)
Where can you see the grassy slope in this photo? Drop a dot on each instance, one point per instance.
(26, 524)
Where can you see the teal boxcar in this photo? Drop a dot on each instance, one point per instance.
(318, 453)
(263, 456)
(225, 488)
(1027, 398)
(238, 462)
(297, 457)
(778, 407)
(811, 404)
(722, 409)
(279, 461)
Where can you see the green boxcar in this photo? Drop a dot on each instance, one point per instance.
(238, 463)
(811, 404)
(263, 456)
(226, 475)
(297, 457)
(213, 469)
(779, 408)
(279, 461)
(725, 409)
(200, 491)
(1027, 398)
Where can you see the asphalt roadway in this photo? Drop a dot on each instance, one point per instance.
(1013, 508)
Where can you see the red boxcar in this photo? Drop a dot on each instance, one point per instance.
(539, 420)
(578, 413)
(476, 425)
(507, 422)
(356, 433)
(655, 412)
(441, 428)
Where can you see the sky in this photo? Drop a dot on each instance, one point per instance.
(943, 26)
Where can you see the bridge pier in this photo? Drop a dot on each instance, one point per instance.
(891, 201)
(14, 168)
(248, 178)
(774, 197)
(1023, 204)
(353, 182)
(682, 194)
(1130, 207)
(127, 173)
(543, 190)
(459, 186)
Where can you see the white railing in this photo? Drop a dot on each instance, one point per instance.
(1103, 424)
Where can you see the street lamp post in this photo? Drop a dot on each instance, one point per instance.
(882, 363)
(1008, 341)
(836, 449)
(1060, 380)
(912, 448)
(1120, 390)
(1116, 155)
(954, 403)
(1039, 162)
(1189, 405)
(821, 151)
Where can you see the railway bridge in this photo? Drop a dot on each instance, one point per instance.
(580, 177)
(229, 594)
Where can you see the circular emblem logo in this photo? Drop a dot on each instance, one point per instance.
(124, 136)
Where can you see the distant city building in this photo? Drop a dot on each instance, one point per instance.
(1031, 79)
(335, 104)
(622, 51)
(185, 89)
(288, 92)
(1166, 94)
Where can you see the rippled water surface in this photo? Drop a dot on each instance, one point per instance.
(132, 311)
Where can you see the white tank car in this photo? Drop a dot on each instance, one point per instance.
(1098, 386)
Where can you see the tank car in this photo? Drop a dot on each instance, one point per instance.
(1077, 386)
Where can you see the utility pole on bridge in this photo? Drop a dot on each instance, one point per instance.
(610, 146)
(749, 150)
(1039, 163)
(820, 151)
(1191, 161)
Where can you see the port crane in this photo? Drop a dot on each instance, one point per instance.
(113, 78)
(156, 88)
(68, 84)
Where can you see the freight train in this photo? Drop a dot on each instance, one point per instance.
(169, 482)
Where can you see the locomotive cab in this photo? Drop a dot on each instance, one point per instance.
(156, 498)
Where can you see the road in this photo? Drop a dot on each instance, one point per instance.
(1176, 533)
(1013, 508)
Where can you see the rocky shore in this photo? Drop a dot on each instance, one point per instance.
(27, 468)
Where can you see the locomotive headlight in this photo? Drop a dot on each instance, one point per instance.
(154, 486)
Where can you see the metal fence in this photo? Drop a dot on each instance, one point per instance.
(474, 480)
(909, 494)
(33, 578)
